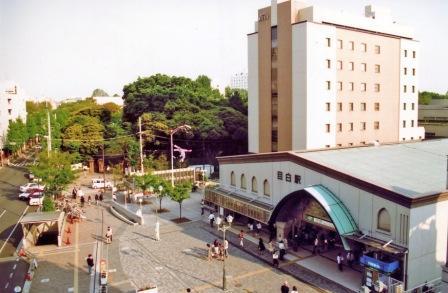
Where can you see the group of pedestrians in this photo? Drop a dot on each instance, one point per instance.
(217, 250)
(78, 192)
(89, 259)
(285, 288)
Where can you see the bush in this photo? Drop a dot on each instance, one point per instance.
(48, 204)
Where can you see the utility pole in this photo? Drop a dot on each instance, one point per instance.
(49, 133)
(141, 144)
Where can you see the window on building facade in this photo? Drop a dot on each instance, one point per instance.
(363, 126)
(9, 101)
(377, 68)
(405, 53)
(243, 183)
(9, 111)
(339, 145)
(352, 86)
(350, 144)
(254, 184)
(327, 128)
(340, 45)
(404, 123)
(232, 178)
(266, 188)
(413, 89)
(414, 54)
(413, 106)
(364, 67)
(404, 106)
(377, 106)
(350, 126)
(363, 107)
(328, 85)
(339, 127)
(377, 87)
(412, 123)
(405, 71)
(352, 45)
(339, 107)
(405, 88)
(363, 86)
(339, 85)
(328, 41)
(376, 125)
(352, 66)
(384, 220)
(377, 49)
(327, 106)
(328, 63)
(363, 142)
(364, 47)
(339, 65)
(413, 71)
(350, 106)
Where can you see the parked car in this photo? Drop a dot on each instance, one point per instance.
(36, 199)
(31, 192)
(99, 183)
(31, 185)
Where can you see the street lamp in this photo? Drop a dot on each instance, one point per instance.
(173, 131)
(223, 227)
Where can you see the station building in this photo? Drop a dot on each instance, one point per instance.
(388, 202)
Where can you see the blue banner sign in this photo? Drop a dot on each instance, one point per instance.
(387, 267)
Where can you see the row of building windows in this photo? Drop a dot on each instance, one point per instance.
(405, 71)
(351, 86)
(351, 66)
(363, 106)
(352, 46)
(405, 88)
(254, 184)
(412, 123)
(405, 53)
(350, 126)
(412, 106)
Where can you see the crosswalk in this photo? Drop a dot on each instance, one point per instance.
(22, 164)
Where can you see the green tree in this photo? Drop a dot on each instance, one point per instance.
(180, 193)
(48, 204)
(425, 98)
(117, 173)
(16, 136)
(99, 93)
(54, 171)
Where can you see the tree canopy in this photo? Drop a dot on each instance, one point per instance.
(99, 93)
(425, 98)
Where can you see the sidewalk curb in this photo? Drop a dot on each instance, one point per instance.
(121, 217)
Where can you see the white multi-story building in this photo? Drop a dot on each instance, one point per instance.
(12, 106)
(320, 78)
(239, 81)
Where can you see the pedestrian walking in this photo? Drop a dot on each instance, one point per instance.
(89, 199)
(271, 246)
(315, 247)
(226, 248)
(211, 218)
(74, 192)
(285, 287)
(275, 255)
(90, 263)
(258, 228)
(281, 246)
(218, 221)
(339, 260)
(96, 198)
(82, 201)
(241, 236)
(251, 228)
(209, 252)
(202, 206)
(109, 235)
(157, 231)
(294, 289)
(261, 247)
(101, 196)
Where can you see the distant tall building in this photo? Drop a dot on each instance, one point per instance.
(12, 106)
(239, 81)
(330, 79)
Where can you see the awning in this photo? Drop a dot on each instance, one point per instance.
(378, 244)
(339, 214)
(232, 201)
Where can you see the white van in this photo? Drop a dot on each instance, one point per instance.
(99, 183)
(36, 200)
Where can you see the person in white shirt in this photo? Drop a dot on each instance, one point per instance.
(211, 218)
(218, 221)
(275, 258)
(281, 246)
(258, 226)
(226, 247)
(339, 260)
(157, 231)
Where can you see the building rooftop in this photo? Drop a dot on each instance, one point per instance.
(411, 169)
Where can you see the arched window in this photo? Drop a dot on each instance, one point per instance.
(266, 188)
(254, 184)
(243, 181)
(232, 178)
(384, 220)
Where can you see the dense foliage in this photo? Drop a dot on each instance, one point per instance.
(219, 123)
(425, 98)
(99, 93)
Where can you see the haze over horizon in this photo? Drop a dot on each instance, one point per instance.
(62, 48)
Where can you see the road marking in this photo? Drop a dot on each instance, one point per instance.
(4, 211)
(45, 280)
(14, 267)
(7, 284)
(70, 289)
(76, 261)
(10, 275)
(112, 270)
(12, 232)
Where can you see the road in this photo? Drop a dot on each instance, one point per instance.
(11, 209)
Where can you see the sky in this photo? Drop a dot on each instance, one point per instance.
(67, 48)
